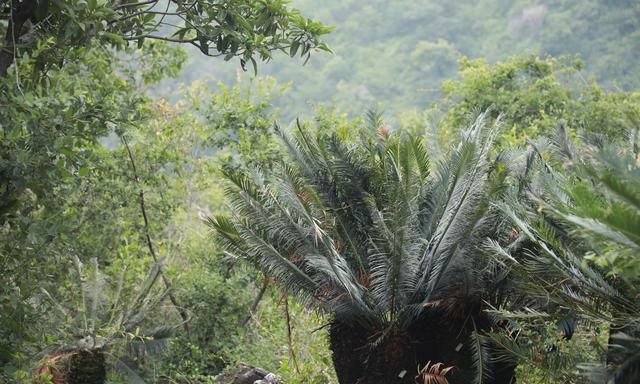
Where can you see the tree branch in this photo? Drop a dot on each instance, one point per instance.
(165, 280)
(133, 5)
(144, 12)
(148, 36)
(256, 301)
(292, 354)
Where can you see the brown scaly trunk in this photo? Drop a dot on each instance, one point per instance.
(20, 12)
(77, 367)
(435, 338)
(349, 346)
(87, 367)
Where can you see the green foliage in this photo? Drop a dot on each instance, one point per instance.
(264, 343)
(606, 210)
(531, 95)
(583, 236)
(73, 76)
(218, 303)
(546, 356)
(69, 188)
(50, 167)
(240, 121)
(247, 29)
(368, 231)
(399, 53)
(188, 141)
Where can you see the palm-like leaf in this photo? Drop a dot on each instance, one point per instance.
(596, 212)
(368, 231)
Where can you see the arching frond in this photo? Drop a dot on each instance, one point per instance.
(368, 229)
(480, 350)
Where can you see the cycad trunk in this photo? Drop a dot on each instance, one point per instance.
(87, 367)
(78, 367)
(434, 338)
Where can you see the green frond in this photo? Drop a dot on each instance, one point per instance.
(480, 353)
(374, 119)
(421, 157)
(226, 232)
(563, 143)
(151, 342)
(464, 207)
(125, 370)
(365, 229)
(146, 286)
(618, 232)
(116, 302)
(580, 230)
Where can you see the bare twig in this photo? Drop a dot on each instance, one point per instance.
(144, 12)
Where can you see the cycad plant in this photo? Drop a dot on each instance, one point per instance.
(585, 233)
(388, 244)
(100, 316)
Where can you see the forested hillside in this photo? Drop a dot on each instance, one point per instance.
(397, 53)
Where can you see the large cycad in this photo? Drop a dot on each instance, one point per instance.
(372, 233)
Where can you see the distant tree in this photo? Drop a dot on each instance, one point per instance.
(531, 94)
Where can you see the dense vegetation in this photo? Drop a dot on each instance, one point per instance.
(484, 228)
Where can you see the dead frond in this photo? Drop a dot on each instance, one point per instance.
(433, 374)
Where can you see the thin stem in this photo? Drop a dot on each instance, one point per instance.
(256, 301)
(133, 5)
(292, 354)
(165, 280)
(155, 37)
